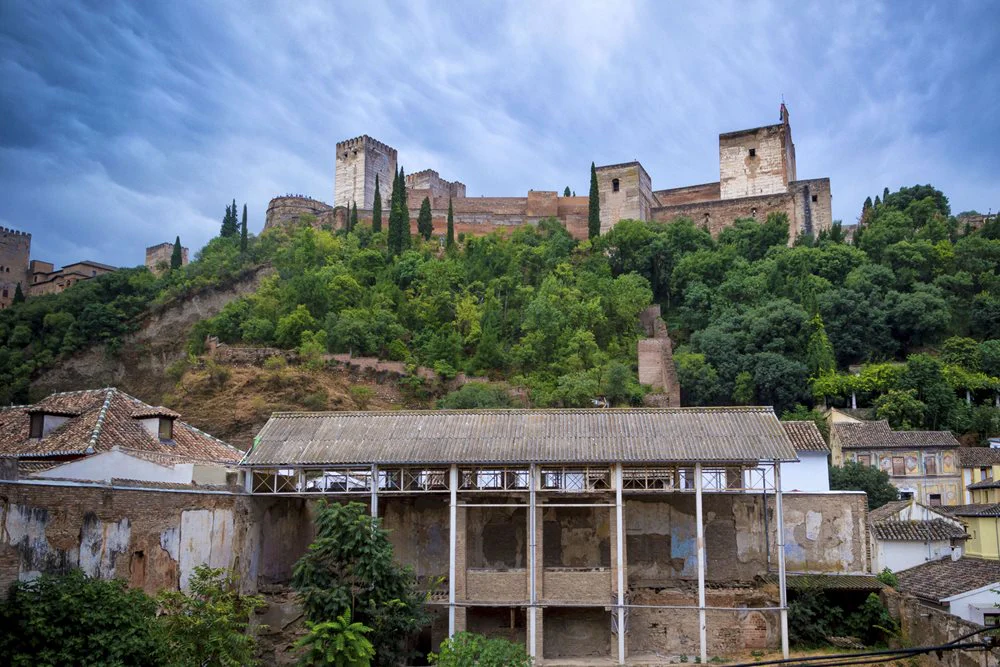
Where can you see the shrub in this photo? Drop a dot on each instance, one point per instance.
(350, 566)
(208, 626)
(339, 643)
(275, 363)
(467, 648)
(361, 395)
(72, 619)
(888, 577)
(477, 395)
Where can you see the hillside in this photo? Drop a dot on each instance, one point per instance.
(905, 316)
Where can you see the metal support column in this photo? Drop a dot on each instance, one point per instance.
(700, 528)
(620, 560)
(532, 557)
(374, 502)
(780, 542)
(452, 546)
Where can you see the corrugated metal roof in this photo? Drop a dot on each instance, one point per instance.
(523, 436)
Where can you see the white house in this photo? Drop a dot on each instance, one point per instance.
(137, 466)
(966, 587)
(905, 534)
(812, 471)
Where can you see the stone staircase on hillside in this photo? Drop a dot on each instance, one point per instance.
(656, 361)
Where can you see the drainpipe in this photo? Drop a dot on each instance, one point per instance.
(620, 561)
(700, 545)
(532, 561)
(452, 547)
(780, 529)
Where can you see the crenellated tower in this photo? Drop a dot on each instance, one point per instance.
(15, 250)
(358, 161)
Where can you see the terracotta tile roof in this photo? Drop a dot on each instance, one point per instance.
(941, 579)
(888, 511)
(805, 436)
(158, 411)
(916, 531)
(104, 419)
(975, 509)
(974, 457)
(878, 434)
(985, 484)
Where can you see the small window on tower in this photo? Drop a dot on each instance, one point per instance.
(753, 152)
(815, 198)
(614, 185)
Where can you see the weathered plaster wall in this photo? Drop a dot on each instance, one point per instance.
(576, 632)
(923, 624)
(418, 530)
(153, 539)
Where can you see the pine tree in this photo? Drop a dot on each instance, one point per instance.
(566, 192)
(177, 256)
(243, 231)
(18, 294)
(425, 223)
(377, 209)
(451, 225)
(352, 222)
(594, 213)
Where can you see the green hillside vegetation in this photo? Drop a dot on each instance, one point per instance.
(914, 300)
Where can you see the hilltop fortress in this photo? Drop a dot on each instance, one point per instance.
(757, 176)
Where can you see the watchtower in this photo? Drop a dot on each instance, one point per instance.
(759, 161)
(15, 248)
(358, 161)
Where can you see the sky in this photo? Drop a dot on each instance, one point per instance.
(124, 124)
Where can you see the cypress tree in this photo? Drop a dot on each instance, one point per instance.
(243, 231)
(425, 223)
(885, 194)
(352, 221)
(392, 240)
(404, 214)
(377, 209)
(566, 192)
(227, 223)
(177, 256)
(451, 226)
(594, 213)
(18, 294)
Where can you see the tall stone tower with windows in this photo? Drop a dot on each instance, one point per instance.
(760, 161)
(358, 161)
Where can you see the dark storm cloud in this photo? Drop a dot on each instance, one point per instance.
(124, 124)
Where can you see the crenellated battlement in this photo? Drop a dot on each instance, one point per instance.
(365, 140)
(14, 232)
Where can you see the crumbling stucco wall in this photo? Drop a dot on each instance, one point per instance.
(418, 530)
(931, 626)
(576, 632)
(152, 539)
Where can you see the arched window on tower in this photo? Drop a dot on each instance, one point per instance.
(614, 185)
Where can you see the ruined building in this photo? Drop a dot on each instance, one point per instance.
(597, 535)
(158, 257)
(757, 176)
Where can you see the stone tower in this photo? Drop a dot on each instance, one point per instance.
(15, 248)
(756, 162)
(358, 160)
(625, 192)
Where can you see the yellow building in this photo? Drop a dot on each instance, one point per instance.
(981, 495)
(923, 465)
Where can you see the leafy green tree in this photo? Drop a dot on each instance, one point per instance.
(244, 239)
(819, 352)
(853, 476)
(594, 208)
(744, 390)
(699, 381)
(466, 648)
(377, 208)
(288, 333)
(451, 226)
(177, 256)
(901, 408)
(337, 643)
(475, 395)
(780, 381)
(211, 624)
(72, 619)
(350, 567)
(962, 352)
(425, 224)
(924, 374)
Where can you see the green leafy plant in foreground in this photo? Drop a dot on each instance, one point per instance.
(339, 643)
(467, 648)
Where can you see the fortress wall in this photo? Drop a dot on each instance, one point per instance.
(743, 175)
(716, 216)
(813, 205)
(688, 195)
(282, 210)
